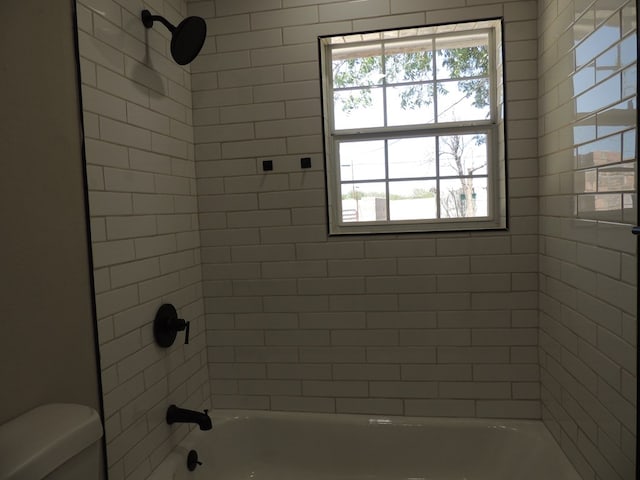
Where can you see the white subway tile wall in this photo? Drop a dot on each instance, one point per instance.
(422, 324)
(537, 321)
(144, 224)
(587, 106)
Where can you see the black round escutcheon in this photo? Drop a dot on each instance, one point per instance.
(166, 326)
(192, 460)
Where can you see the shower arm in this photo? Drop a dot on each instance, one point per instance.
(148, 19)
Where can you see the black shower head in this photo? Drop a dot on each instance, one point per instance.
(187, 38)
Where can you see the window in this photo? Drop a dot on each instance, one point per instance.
(414, 129)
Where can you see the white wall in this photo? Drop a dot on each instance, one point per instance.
(144, 224)
(587, 265)
(47, 345)
(442, 325)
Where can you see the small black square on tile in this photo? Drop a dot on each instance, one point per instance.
(305, 162)
(267, 165)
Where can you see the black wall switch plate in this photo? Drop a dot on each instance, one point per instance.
(267, 165)
(305, 162)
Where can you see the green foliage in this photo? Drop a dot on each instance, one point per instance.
(411, 67)
(399, 68)
(469, 62)
(416, 96)
(466, 62)
(357, 99)
(357, 72)
(423, 193)
(417, 193)
(355, 195)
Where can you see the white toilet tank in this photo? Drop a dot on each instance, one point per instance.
(59, 441)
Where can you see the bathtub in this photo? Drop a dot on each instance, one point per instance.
(256, 445)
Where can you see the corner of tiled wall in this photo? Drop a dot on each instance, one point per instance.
(442, 325)
(588, 259)
(144, 226)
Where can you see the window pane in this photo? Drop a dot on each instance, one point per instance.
(353, 68)
(463, 155)
(409, 61)
(412, 157)
(364, 202)
(362, 160)
(410, 105)
(463, 198)
(359, 108)
(465, 100)
(409, 115)
(412, 200)
(462, 57)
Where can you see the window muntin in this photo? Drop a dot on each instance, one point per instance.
(412, 129)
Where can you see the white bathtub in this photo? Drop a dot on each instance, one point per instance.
(302, 446)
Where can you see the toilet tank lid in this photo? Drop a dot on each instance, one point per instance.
(39, 441)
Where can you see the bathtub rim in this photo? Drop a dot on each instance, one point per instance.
(176, 459)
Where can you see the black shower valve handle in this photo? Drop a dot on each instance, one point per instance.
(179, 325)
(167, 325)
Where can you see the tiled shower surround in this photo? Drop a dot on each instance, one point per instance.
(144, 227)
(587, 109)
(437, 325)
(447, 324)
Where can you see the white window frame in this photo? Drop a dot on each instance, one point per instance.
(493, 127)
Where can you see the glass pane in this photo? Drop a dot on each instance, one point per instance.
(358, 108)
(465, 100)
(412, 157)
(409, 61)
(463, 198)
(412, 200)
(356, 67)
(362, 160)
(410, 105)
(462, 57)
(463, 155)
(364, 202)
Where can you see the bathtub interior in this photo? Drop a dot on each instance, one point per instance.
(273, 446)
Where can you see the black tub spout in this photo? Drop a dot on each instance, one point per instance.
(182, 415)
